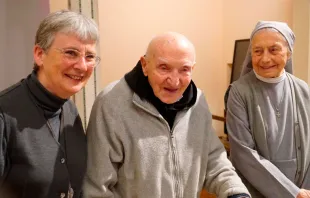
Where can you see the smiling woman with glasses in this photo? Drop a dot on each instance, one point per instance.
(43, 146)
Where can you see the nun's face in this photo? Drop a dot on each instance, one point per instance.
(269, 53)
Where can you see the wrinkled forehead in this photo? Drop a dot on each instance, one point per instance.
(173, 52)
(268, 36)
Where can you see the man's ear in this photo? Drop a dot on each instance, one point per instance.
(143, 62)
(38, 54)
(193, 67)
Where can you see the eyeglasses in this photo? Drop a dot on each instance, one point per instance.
(74, 56)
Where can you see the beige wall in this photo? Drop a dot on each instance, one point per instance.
(213, 26)
(127, 26)
(301, 27)
(240, 17)
(56, 5)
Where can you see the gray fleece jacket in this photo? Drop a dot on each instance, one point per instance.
(132, 151)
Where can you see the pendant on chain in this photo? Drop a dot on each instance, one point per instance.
(278, 113)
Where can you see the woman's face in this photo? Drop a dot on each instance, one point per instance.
(59, 72)
(269, 53)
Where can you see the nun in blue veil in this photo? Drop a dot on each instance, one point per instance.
(268, 114)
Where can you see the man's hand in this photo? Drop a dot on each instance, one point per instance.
(303, 193)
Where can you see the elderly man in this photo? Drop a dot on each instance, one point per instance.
(42, 141)
(150, 134)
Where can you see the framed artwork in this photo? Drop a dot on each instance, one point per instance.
(241, 48)
(240, 51)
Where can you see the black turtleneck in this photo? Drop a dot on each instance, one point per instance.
(47, 102)
(43, 146)
(141, 86)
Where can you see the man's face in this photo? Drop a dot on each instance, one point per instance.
(169, 72)
(269, 53)
(67, 65)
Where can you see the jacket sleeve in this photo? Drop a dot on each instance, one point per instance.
(258, 171)
(221, 177)
(105, 152)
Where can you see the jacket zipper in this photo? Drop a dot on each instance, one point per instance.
(177, 180)
(175, 167)
(176, 176)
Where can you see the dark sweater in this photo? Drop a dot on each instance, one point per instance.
(42, 143)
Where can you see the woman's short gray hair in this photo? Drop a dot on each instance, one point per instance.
(67, 22)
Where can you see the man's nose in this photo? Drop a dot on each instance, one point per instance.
(174, 79)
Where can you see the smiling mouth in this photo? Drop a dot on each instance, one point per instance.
(171, 90)
(267, 67)
(74, 77)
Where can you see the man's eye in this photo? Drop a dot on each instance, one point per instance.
(163, 66)
(186, 69)
(71, 53)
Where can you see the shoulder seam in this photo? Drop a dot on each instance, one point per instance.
(10, 89)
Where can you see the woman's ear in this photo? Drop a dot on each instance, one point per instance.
(289, 55)
(38, 54)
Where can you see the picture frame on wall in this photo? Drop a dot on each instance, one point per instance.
(240, 51)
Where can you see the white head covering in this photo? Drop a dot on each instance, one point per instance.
(282, 28)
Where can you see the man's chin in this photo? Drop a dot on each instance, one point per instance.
(168, 100)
